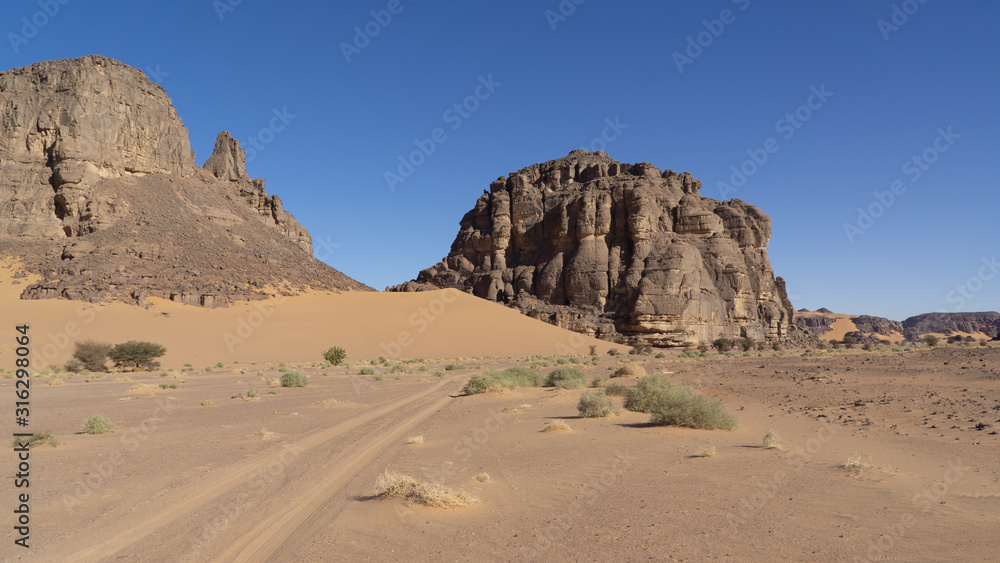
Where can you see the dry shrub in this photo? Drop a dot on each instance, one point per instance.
(415, 440)
(396, 485)
(771, 439)
(266, 434)
(630, 370)
(143, 388)
(56, 381)
(483, 477)
(557, 426)
(597, 405)
(492, 381)
(566, 378)
(672, 404)
(705, 452)
(858, 463)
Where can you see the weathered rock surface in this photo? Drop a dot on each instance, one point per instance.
(624, 252)
(819, 325)
(877, 325)
(100, 194)
(947, 323)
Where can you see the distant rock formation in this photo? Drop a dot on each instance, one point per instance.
(620, 251)
(946, 323)
(868, 324)
(819, 325)
(101, 196)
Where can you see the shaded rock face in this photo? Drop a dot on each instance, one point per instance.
(818, 325)
(945, 323)
(228, 163)
(877, 325)
(623, 252)
(101, 196)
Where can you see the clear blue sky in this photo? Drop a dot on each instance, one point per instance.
(556, 87)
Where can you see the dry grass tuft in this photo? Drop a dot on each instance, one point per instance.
(705, 452)
(327, 403)
(856, 462)
(143, 388)
(483, 477)
(415, 440)
(56, 381)
(558, 426)
(266, 434)
(396, 485)
(630, 370)
(771, 439)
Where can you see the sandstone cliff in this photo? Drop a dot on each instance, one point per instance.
(100, 194)
(624, 252)
(946, 323)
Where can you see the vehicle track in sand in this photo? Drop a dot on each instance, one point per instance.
(200, 494)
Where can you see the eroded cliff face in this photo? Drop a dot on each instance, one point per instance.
(101, 196)
(620, 251)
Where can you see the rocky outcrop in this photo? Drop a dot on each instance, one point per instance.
(868, 324)
(819, 325)
(228, 164)
(946, 323)
(101, 196)
(621, 251)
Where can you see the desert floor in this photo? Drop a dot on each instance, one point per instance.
(288, 476)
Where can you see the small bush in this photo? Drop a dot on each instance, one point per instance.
(510, 378)
(253, 392)
(771, 439)
(630, 370)
(98, 424)
(672, 404)
(616, 389)
(452, 367)
(597, 405)
(593, 350)
(415, 440)
(137, 354)
(93, 355)
(601, 381)
(557, 426)
(722, 344)
(483, 477)
(294, 379)
(705, 452)
(220, 364)
(207, 403)
(612, 351)
(747, 343)
(566, 378)
(73, 365)
(378, 376)
(660, 355)
(36, 439)
(335, 355)
(931, 340)
(367, 371)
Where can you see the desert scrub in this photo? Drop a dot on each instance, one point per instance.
(597, 405)
(366, 371)
(207, 403)
(335, 355)
(705, 452)
(557, 426)
(294, 379)
(771, 439)
(378, 376)
(396, 485)
(452, 367)
(253, 392)
(616, 389)
(630, 370)
(36, 439)
(601, 381)
(97, 424)
(92, 354)
(510, 378)
(672, 404)
(566, 378)
(137, 354)
(691, 354)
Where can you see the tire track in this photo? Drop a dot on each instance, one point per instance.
(267, 537)
(228, 478)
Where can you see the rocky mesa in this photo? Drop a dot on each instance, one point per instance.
(100, 195)
(625, 252)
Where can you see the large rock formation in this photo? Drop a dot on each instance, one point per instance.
(946, 323)
(100, 194)
(624, 252)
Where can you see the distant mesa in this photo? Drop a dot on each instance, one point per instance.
(625, 252)
(986, 324)
(100, 195)
(824, 310)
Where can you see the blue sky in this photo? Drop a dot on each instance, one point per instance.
(923, 84)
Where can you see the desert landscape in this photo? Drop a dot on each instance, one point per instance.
(610, 361)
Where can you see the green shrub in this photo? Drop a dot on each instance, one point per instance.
(672, 404)
(601, 381)
(931, 340)
(616, 389)
(92, 354)
(137, 354)
(397, 369)
(73, 365)
(593, 350)
(294, 379)
(692, 354)
(98, 424)
(722, 344)
(220, 364)
(335, 355)
(452, 367)
(253, 392)
(612, 351)
(36, 439)
(510, 378)
(747, 343)
(660, 355)
(566, 378)
(596, 405)
(378, 376)
(367, 371)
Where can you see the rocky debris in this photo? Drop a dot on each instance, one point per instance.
(625, 252)
(946, 323)
(101, 196)
(228, 163)
(818, 325)
(877, 325)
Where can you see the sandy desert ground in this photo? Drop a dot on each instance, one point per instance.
(199, 471)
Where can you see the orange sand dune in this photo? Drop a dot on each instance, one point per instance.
(436, 324)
